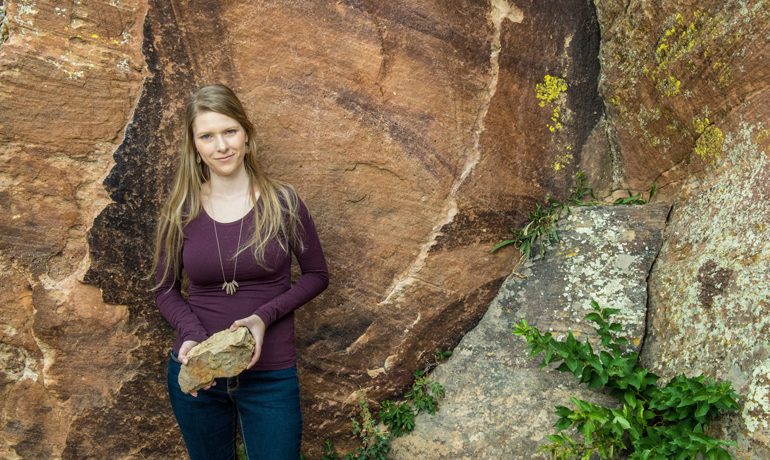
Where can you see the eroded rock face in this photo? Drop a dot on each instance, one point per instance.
(687, 89)
(411, 129)
(499, 402)
(674, 77)
(224, 354)
(70, 74)
(710, 289)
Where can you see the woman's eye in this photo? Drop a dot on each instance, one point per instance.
(205, 136)
(232, 131)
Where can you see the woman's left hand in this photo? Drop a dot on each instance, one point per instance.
(257, 328)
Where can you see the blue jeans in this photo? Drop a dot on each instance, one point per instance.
(264, 403)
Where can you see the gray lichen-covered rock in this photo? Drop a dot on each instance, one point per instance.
(499, 403)
(224, 354)
(710, 289)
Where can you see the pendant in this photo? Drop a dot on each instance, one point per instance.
(230, 287)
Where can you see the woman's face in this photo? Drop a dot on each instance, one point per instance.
(220, 142)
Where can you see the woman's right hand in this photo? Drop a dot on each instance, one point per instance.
(185, 348)
(187, 345)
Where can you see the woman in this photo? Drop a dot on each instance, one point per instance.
(232, 229)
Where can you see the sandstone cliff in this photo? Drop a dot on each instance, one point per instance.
(415, 132)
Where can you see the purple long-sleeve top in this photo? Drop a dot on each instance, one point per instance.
(267, 293)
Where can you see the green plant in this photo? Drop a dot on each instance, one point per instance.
(651, 422)
(637, 198)
(329, 453)
(425, 394)
(441, 355)
(394, 418)
(397, 416)
(541, 227)
(375, 442)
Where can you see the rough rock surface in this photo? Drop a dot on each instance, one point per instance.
(687, 90)
(674, 76)
(499, 402)
(710, 288)
(411, 129)
(224, 354)
(70, 74)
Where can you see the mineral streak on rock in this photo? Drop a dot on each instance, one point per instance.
(224, 354)
(499, 402)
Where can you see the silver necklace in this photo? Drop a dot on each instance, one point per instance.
(228, 286)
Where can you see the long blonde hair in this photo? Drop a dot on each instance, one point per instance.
(276, 218)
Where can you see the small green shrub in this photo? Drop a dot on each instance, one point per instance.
(424, 395)
(637, 198)
(375, 442)
(541, 227)
(394, 418)
(651, 423)
(397, 416)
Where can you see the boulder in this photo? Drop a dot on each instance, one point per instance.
(710, 287)
(499, 403)
(687, 94)
(224, 354)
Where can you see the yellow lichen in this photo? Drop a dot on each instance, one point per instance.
(708, 145)
(724, 73)
(3, 23)
(550, 90)
(550, 93)
(562, 161)
(669, 86)
(676, 43)
(763, 139)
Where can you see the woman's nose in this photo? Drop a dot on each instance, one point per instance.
(221, 144)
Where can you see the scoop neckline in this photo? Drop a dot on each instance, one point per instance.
(236, 221)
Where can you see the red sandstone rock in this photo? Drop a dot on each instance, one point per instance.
(411, 129)
(70, 74)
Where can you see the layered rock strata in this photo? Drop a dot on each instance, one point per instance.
(411, 129)
(70, 75)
